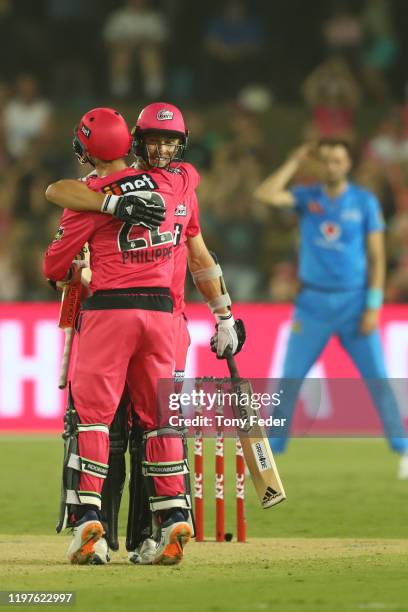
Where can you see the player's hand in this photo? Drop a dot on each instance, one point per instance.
(147, 208)
(229, 334)
(72, 274)
(369, 321)
(303, 153)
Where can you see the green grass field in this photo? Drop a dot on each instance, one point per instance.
(339, 542)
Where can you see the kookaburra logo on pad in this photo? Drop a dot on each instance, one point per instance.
(164, 115)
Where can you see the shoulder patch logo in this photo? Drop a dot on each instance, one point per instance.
(164, 115)
(181, 210)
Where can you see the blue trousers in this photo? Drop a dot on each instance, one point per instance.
(318, 316)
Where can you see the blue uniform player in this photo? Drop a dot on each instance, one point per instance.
(341, 269)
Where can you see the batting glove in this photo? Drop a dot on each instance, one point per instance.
(147, 208)
(230, 334)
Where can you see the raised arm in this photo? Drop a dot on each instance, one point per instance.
(273, 190)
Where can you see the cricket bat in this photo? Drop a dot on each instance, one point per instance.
(70, 305)
(255, 444)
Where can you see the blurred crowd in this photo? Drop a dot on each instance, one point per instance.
(249, 93)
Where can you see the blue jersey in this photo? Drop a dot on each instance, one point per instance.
(333, 235)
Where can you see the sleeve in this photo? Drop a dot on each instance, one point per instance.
(302, 197)
(374, 221)
(190, 176)
(193, 226)
(74, 231)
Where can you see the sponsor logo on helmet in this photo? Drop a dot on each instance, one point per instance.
(164, 115)
(331, 231)
(85, 130)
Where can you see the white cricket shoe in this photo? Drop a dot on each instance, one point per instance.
(86, 534)
(144, 554)
(101, 555)
(175, 534)
(403, 467)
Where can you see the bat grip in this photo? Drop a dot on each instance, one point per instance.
(232, 366)
(69, 334)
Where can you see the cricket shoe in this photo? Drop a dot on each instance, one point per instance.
(101, 555)
(175, 533)
(87, 532)
(403, 467)
(144, 553)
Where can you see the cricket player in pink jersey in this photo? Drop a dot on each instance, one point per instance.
(160, 139)
(125, 336)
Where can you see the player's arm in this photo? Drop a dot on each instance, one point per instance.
(199, 258)
(74, 195)
(74, 231)
(207, 276)
(375, 250)
(145, 209)
(273, 190)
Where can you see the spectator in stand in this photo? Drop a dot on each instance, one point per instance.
(10, 278)
(387, 156)
(202, 141)
(73, 79)
(136, 33)
(333, 95)
(226, 198)
(390, 145)
(26, 117)
(234, 42)
(380, 47)
(397, 252)
(342, 34)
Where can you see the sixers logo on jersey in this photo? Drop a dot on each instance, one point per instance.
(181, 210)
(330, 230)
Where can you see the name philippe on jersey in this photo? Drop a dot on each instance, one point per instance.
(143, 256)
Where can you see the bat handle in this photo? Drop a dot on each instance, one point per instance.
(69, 334)
(232, 366)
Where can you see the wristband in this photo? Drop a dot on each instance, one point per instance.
(226, 320)
(109, 204)
(374, 298)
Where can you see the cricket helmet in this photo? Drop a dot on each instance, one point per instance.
(102, 133)
(160, 117)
